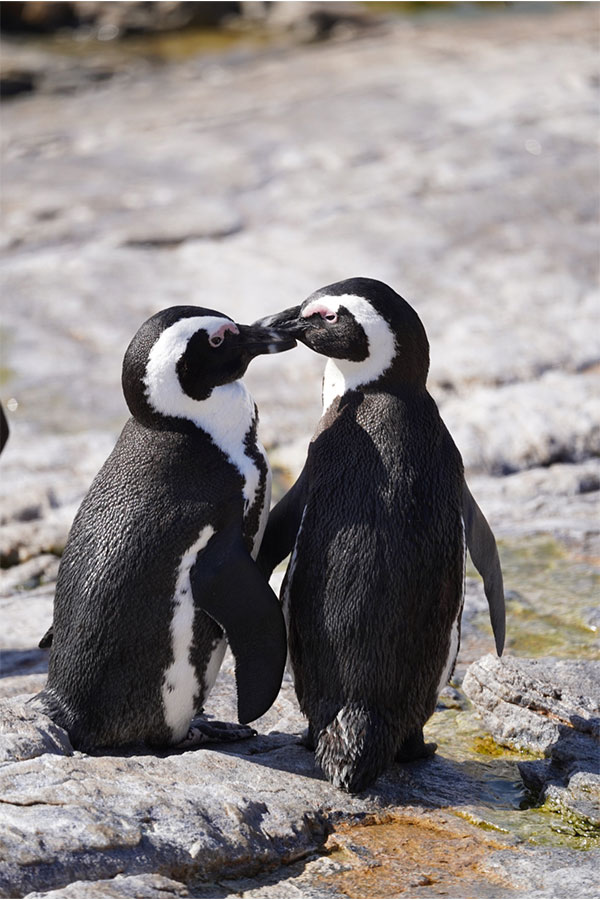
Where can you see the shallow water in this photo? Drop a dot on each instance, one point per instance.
(549, 590)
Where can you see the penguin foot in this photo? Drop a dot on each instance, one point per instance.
(202, 731)
(414, 747)
(307, 739)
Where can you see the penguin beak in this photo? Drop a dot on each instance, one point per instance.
(258, 338)
(287, 323)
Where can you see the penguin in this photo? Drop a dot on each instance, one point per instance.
(4, 429)
(378, 524)
(158, 573)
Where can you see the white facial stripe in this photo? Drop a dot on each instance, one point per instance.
(226, 415)
(163, 390)
(343, 375)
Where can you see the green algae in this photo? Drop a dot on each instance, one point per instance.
(513, 809)
(548, 589)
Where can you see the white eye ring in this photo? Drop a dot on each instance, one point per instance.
(216, 340)
(331, 317)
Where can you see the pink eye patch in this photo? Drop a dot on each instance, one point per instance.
(317, 308)
(228, 326)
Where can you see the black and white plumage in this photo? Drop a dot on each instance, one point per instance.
(158, 571)
(378, 524)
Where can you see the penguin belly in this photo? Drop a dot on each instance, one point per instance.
(190, 677)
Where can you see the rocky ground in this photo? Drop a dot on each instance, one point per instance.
(454, 159)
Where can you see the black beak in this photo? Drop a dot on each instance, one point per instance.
(258, 338)
(287, 323)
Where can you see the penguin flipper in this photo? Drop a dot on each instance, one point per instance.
(282, 527)
(228, 585)
(46, 641)
(484, 553)
(4, 429)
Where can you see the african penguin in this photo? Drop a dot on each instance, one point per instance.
(4, 429)
(378, 524)
(158, 572)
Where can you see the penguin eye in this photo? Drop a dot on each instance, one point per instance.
(216, 340)
(331, 317)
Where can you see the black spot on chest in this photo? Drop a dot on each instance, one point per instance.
(253, 452)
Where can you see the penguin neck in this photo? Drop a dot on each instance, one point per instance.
(341, 376)
(227, 415)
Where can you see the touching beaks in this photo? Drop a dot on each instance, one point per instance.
(260, 338)
(287, 323)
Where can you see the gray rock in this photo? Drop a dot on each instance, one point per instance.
(121, 886)
(525, 702)
(13, 685)
(41, 569)
(533, 423)
(74, 185)
(25, 733)
(548, 706)
(26, 616)
(97, 189)
(212, 813)
(560, 499)
(549, 873)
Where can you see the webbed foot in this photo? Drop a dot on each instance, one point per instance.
(414, 747)
(307, 739)
(205, 731)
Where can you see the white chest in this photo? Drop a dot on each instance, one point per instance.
(228, 417)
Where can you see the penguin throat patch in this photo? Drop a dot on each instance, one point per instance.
(343, 375)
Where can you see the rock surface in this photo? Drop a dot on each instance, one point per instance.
(237, 182)
(215, 814)
(546, 705)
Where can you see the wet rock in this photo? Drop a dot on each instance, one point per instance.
(549, 706)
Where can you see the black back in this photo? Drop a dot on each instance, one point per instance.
(378, 579)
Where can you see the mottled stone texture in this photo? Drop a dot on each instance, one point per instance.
(454, 159)
(546, 705)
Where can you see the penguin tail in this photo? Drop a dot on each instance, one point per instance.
(356, 747)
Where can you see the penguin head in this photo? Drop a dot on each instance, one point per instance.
(180, 355)
(371, 332)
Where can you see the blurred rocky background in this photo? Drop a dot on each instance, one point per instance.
(239, 156)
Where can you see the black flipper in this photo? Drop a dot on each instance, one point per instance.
(4, 429)
(282, 527)
(46, 641)
(228, 585)
(484, 553)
